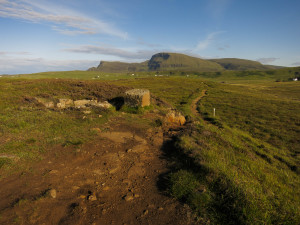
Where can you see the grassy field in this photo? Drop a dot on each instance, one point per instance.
(239, 167)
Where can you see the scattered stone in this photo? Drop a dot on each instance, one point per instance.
(9, 156)
(65, 103)
(160, 208)
(145, 212)
(100, 116)
(92, 197)
(51, 193)
(75, 187)
(104, 211)
(53, 171)
(106, 188)
(83, 103)
(105, 105)
(82, 196)
(175, 117)
(87, 112)
(128, 197)
(137, 97)
(96, 129)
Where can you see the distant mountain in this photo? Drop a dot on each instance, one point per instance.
(181, 62)
(119, 67)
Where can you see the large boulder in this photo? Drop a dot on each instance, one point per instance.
(174, 117)
(137, 97)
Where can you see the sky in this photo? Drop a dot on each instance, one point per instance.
(57, 35)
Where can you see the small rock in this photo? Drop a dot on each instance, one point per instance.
(145, 212)
(92, 197)
(106, 188)
(105, 105)
(53, 171)
(75, 187)
(52, 193)
(129, 150)
(96, 129)
(128, 198)
(87, 112)
(160, 208)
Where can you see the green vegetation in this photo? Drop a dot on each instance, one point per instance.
(119, 67)
(249, 166)
(238, 167)
(180, 62)
(241, 64)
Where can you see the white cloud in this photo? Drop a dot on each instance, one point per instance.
(15, 65)
(208, 40)
(113, 51)
(267, 60)
(295, 64)
(66, 21)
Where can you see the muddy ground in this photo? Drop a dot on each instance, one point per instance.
(116, 179)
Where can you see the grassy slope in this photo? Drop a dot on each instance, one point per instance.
(239, 64)
(242, 166)
(119, 67)
(181, 62)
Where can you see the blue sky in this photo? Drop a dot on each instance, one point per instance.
(44, 35)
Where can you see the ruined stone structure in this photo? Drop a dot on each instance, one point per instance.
(137, 97)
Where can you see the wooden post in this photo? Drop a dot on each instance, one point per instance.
(214, 112)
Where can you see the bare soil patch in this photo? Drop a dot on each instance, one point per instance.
(112, 180)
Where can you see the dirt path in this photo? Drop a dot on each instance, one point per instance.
(113, 180)
(194, 110)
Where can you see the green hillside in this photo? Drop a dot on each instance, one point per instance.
(181, 62)
(240, 64)
(119, 67)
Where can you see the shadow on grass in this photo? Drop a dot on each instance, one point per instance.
(213, 198)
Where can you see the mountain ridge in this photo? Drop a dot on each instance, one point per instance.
(165, 61)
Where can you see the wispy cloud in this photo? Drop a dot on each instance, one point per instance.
(15, 65)
(15, 53)
(295, 64)
(218, 7)
(113, 51)
(208, 40)
(267, 60)
(66, 21)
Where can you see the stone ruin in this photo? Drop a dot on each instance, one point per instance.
(137, 97)
(69, 103)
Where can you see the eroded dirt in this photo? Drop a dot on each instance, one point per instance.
(194, 104)
(112, 180)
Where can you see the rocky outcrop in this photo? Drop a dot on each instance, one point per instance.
(45, 102)
(137, 97)
(84, 103)
(65, 103)
(174, 117)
